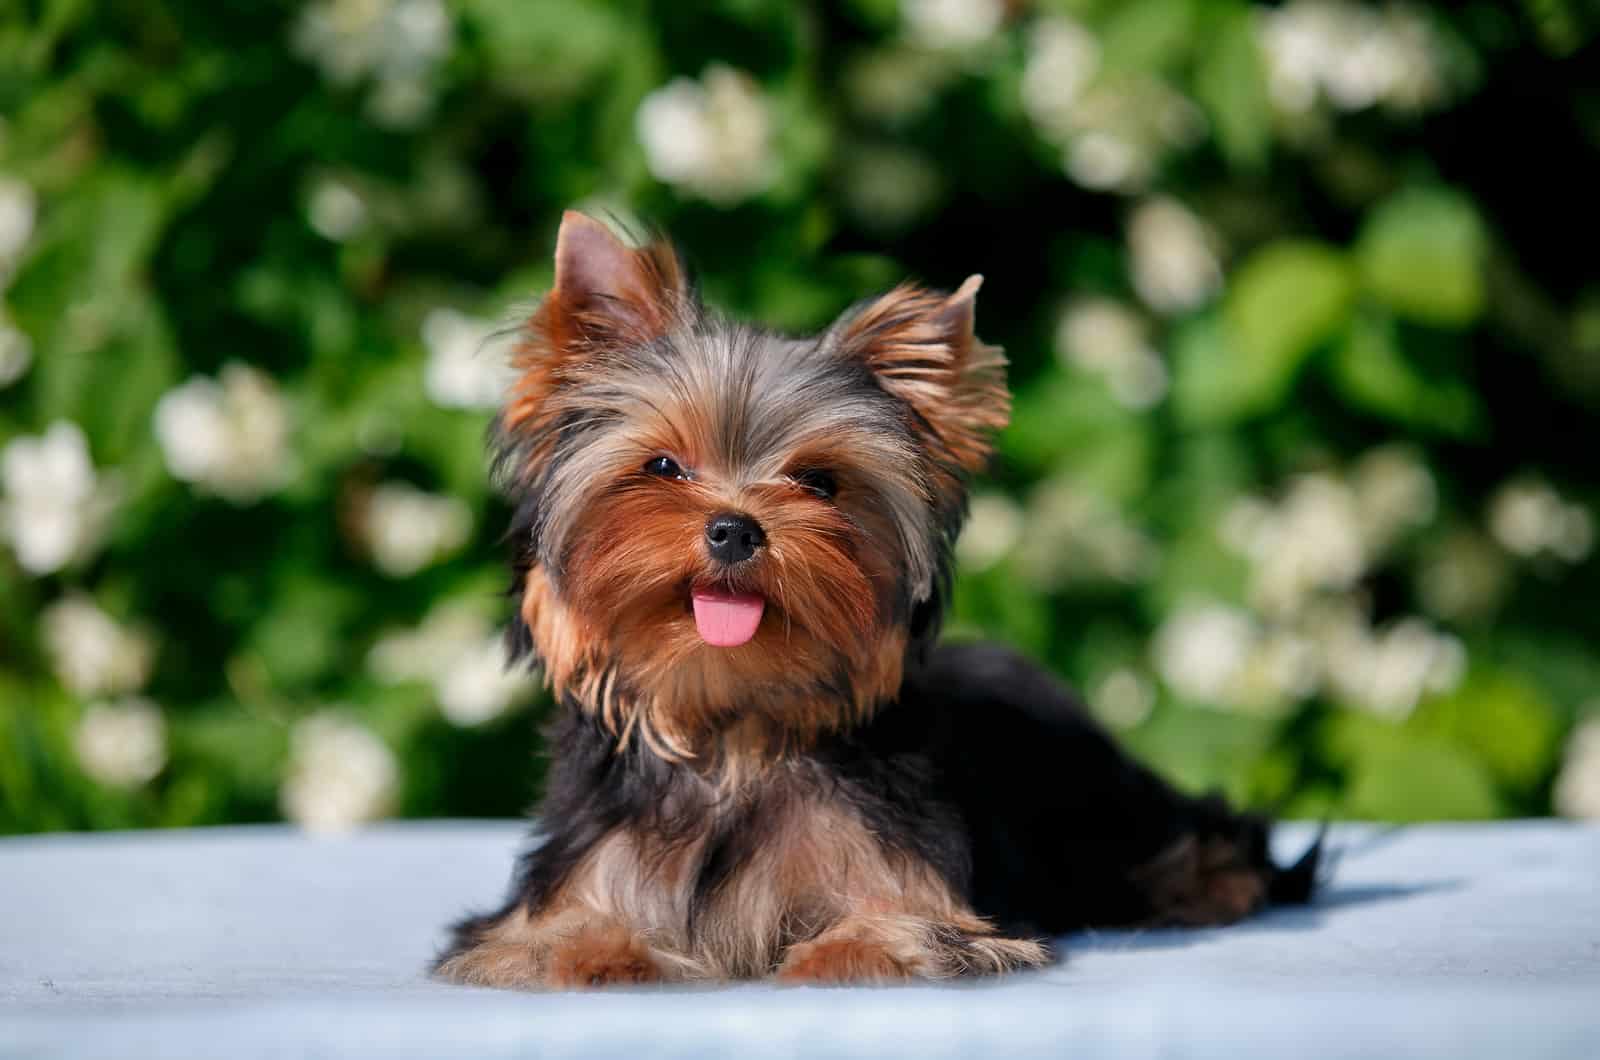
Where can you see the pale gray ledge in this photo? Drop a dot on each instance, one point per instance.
(1438, 941)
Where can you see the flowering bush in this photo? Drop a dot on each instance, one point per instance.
(1299, 489)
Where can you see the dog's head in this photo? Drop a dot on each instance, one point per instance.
(716, 521)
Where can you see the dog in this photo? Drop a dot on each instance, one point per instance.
(732, 549)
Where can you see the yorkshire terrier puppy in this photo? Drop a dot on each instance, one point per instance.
(732, 549)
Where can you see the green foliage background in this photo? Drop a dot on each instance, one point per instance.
(1306, 354)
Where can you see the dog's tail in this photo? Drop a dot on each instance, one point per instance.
(1297, 884)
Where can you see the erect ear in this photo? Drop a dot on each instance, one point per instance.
(605, 288)
(921, 346)
(607, 295)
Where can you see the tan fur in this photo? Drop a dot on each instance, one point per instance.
(864, 949)
(821, 899)
(568, 948)
(633, 293)
(689, 702)
(923, 348)
(1203, 882)
(887, 947)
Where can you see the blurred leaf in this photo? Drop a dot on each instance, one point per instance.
(548, 49)
(985, 606)
(1396, 776)
(105, 352)
(1284, 301)
(1066, 419)
(1203, 750)
(1196, 565)
(1147, 35)
(1231, 82)
(245, 749)
(301, 637)
(1422, 252)
(1372, 372)
(188, 184)
(1500, 721)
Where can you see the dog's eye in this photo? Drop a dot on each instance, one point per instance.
(664, 467)
(818, 481)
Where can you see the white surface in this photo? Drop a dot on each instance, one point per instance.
(1447, 941)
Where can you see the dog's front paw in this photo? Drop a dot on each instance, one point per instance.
(846, 959)
(881, 948)
(601, 955)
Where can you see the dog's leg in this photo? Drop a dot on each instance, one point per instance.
(570, 949)
(887, 947)
(1068, 830)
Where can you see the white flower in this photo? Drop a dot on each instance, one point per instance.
(468, 366)
(407, 529)
(1201, 649)
(893, 85)
(18, 207)
(1280, 669)
(1103, 337)
(1095, 333)
(92, 653)
(993, 526)
(460, 653)
(1530, 519)
(952, 23)
(400, 101)
(1574, 534)
(1123, 698)
(1223, 657)
(1327, 531)
(1173, 257)
(16, 352)
(1409, 660)
(1113, 129)
(1102, 160)
(1462, 576)
(55, 507)
(1520, 517)
(888, 187)
(397, 43)
(429, 649)
(1062, 58)
(477, 686)
(335, 211)
(1385, 672)
(1577, 790)
(340, 774)
(711, 137)
(122, 744)
(1076, 534)
(1140, 383)
(228, 435)
(1394, 492)
(1311, 542)
(1350, 54)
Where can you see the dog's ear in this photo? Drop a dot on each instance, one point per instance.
(921, 347)
(607, 290)
(607, 295)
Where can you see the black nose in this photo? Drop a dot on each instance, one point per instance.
(731, 538)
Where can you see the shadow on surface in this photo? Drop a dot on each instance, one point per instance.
(1278, 919)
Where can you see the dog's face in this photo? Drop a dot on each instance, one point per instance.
(716, 520)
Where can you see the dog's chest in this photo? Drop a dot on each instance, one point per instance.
(737, 896)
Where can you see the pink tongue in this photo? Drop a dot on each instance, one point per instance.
(726, 620)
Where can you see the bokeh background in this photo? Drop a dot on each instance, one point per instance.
(1301, 301)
